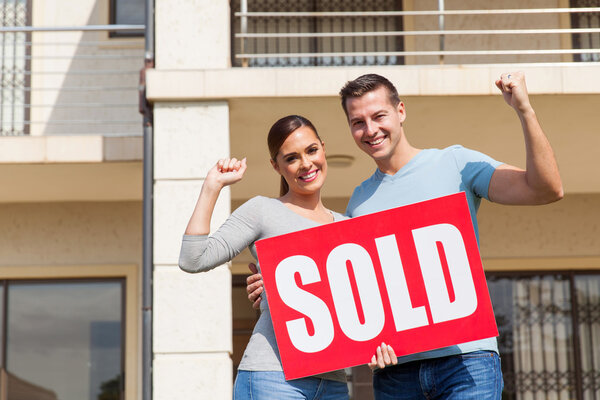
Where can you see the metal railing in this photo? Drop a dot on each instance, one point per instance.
(271, 37)
(70, 80)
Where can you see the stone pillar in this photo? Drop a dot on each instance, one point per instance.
(192, 313)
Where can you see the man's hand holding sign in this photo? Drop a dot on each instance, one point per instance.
(410, 277)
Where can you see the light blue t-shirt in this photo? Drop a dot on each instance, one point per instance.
(430, 174)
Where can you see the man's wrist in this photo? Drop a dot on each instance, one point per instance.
(525, 111)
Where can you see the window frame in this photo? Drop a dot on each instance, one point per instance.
(568, 266)
(112, 20)
(128, 273)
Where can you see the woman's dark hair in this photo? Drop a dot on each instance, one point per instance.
(279, 132)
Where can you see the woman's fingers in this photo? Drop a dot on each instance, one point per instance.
(229, 164)
(384, 356)
(392, 354)
(379, 354)
(373, 363)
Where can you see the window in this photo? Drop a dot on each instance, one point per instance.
(549, 326)
(586, 20)
(15, 48)
(63, 339)
(127, 12)
(307, 25)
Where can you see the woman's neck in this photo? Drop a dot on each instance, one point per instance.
(308, 206)
(307, 201)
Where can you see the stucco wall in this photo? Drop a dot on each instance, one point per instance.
(568, 228)
(71, 233)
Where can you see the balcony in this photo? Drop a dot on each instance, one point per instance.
(317, 33)
(69, 81)
(70, 129)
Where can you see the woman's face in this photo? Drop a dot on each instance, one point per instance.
(301, 161)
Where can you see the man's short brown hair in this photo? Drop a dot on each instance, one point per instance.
(367, 83)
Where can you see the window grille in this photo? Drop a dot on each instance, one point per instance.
(586, 20)
(317, 25)
(549, 326)
(15, 67)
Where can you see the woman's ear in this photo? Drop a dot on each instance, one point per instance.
(275, 166)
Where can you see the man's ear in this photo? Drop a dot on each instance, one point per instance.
(402, 111)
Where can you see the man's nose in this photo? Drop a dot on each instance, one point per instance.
(371, 128)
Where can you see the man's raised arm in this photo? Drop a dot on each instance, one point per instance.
(540, 182)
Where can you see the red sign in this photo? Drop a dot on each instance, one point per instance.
(410, 277)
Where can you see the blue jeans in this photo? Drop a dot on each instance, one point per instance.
(269, 385)
(475, 375)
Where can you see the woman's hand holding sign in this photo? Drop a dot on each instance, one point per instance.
(384, 357)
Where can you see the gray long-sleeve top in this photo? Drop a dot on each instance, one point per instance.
(258, 218)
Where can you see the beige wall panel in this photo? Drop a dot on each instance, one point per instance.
(189, 138)
(174, 202)
(201, 376)
(568, 228)
(188, 311)
(71, 233)
(93, 182)
(192, 34)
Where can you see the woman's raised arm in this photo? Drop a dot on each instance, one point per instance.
(225, 172)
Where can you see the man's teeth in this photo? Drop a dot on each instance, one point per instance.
(377, 141)
(309, 176)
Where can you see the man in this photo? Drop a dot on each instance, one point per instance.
(405, 175)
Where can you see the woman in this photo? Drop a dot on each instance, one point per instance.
(298, 155)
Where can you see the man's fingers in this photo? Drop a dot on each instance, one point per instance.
(252, 268)
(255, 294)
(256, 304)
(253, 279)
(254, 287)
(499, 84)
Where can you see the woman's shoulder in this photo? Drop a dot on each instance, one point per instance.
(254, 204)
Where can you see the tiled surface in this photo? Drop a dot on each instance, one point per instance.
(189, 310)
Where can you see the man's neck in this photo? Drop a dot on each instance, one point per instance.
(398, 160)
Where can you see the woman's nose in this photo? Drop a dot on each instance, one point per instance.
(305, 162)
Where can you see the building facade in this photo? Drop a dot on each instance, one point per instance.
(224, 71)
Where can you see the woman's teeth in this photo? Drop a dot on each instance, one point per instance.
(309, 175)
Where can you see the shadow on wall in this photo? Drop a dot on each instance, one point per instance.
(98, 92)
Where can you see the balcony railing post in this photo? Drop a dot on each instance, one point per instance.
(244, 29)
(441, 28)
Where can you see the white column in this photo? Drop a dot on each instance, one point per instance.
(192, 313)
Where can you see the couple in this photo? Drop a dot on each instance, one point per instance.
(404, 175)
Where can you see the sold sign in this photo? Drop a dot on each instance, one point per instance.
(410, 277)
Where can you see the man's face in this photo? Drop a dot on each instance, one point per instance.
(376, 124)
